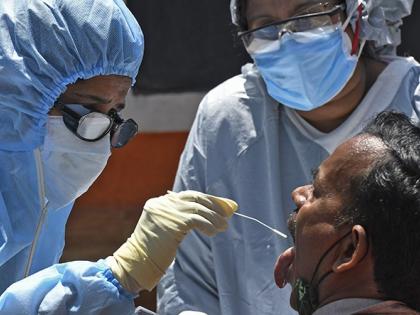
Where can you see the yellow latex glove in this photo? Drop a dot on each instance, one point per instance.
(142, 260)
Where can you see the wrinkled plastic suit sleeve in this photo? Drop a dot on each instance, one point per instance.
(189, 284)
(78, 287)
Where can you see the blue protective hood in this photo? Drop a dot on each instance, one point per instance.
(46, 45)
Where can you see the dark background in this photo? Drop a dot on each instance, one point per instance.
(410, 45)
(191, 44)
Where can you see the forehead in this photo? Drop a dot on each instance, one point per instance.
(106, 82)
(282, 9)
(107, 86)
(350, 159)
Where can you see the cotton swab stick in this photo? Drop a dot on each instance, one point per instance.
(263, 224)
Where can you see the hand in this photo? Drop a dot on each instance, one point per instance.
(142, 260)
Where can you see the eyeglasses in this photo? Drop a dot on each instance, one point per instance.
(92, 126)
(327, 15)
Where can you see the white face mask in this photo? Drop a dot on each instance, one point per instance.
(70, 164)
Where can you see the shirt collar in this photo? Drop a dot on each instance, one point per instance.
(346, 306)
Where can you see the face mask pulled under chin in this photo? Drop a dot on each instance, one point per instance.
(70, 164)
(307, 293)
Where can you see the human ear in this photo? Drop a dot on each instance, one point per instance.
(352, 250)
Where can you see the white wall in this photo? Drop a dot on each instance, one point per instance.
(163, 112)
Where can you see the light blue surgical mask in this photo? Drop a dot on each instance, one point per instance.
(305, 70)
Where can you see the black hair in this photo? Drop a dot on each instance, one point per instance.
(386, 201)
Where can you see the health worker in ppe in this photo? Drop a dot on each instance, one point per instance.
(65, 69)
(320, 70)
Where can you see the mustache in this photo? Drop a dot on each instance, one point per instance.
(291, 224)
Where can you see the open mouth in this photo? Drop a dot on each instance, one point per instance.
(283, 271)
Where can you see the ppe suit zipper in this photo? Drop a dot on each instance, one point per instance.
(43, 205)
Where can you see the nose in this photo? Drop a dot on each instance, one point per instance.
(301, 194)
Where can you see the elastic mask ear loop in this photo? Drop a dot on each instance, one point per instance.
(307, 294)
(356, 39)
(322, 258)
(356, 44)
(362, 45)
(350, 16)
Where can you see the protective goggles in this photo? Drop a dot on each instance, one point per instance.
(326, 14)
(92, 126)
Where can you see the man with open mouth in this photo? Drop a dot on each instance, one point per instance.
(356, 227)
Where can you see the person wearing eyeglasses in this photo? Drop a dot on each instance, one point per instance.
(65, 69)
(320, 69)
